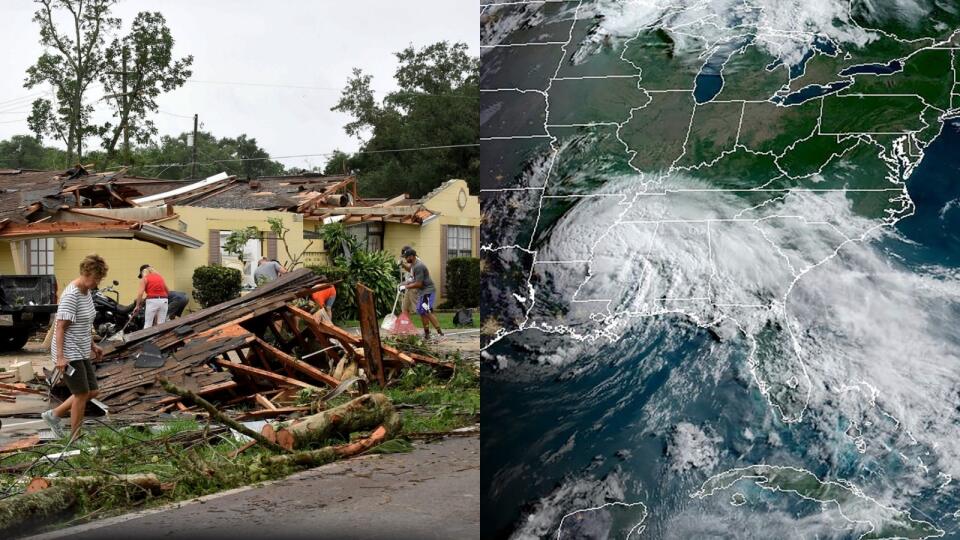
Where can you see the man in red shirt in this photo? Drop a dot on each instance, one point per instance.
(152, 284)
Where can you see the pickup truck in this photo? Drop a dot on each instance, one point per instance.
(26, 303)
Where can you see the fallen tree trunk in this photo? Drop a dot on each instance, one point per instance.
(51, 496)
(148, 482)
(389, 429)
(363, 413)
(214, 413)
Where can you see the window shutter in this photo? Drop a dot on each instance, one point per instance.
(475, 231)
(271, 245)
(443, 260)
(213, 247)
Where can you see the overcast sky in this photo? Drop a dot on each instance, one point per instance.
(258, 42)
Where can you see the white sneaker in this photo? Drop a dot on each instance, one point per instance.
(53, 422)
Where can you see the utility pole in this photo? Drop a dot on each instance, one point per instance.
(193, 166)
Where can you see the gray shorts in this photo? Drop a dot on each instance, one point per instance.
(83, 380)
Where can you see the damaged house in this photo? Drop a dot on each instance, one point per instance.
(50, 220)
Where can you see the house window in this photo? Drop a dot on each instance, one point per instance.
(252, 252)
(459, 241)
(370, 235)
(41, 256)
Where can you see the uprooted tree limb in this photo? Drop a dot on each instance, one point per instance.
(51, 496)
(361, 413)
(216, 414)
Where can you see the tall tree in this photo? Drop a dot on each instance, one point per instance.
(436, 104)
(73, 59)
(137, 68)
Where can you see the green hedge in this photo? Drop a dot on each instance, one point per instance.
(215, 284)
(463, 282)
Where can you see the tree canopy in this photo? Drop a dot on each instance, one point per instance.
(436, 104)
(133, 70)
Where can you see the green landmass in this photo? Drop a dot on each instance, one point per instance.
(871, 114)
(810, 155)
(714, 131)
(662, 67)
(855, 506)
(767, 127)
(588, 157)
(585, 101)
(744, 76)
(657, 131)
(927, 74)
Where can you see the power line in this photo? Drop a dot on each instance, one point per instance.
(324, 88)
(24, 98)
(386, 151)
(175, 114)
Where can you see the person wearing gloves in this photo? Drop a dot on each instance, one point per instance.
(423, 285)
(408, 303)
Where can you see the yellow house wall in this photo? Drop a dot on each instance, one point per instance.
(199, 221)
(428, 239)
(6, 259)
(123, 257)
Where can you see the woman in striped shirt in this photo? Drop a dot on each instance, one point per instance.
(73, 349)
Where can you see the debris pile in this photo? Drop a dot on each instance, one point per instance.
(259, 350)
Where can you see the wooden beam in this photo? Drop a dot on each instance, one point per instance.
(297, 364)
(270, 413)
(292, 325)
(390, 202)
(373, 210)
(323, 327)
(370, 333)
(269, 375)
(209, 389)
(264, 402)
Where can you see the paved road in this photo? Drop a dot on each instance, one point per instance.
(430, 493)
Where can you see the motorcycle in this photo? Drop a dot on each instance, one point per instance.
(113, 317)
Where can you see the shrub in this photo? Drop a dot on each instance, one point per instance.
(463, 282)
(338, 242)
(215, 284)
(376, 270)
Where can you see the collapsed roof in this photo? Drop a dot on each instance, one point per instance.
(78, 202)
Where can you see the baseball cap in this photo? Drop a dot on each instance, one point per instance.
(142, 267)
(404, 250)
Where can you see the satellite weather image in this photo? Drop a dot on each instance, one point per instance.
(721, 268)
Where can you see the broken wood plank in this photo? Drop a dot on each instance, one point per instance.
(271, 413)
(214, 413)
(269, 375)
(20, 387)
(323, 327)
(203, 391)
(370, 334)
(20, 444)
(264, 402)
(297, 364)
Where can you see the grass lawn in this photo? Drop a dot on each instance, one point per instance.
(445, 318)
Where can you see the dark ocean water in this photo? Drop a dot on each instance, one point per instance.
(934, 229)
(577, 421)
